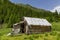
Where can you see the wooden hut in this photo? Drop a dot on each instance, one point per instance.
(34, 25)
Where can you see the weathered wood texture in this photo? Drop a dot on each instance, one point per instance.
(39, 29)
(16, 26)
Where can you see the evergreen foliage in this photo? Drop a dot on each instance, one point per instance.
(11, 13)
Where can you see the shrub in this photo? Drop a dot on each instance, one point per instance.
(53, 33)
(35, 36)
(25, 38)
(31, 38)
(46, 34)
(41, 35)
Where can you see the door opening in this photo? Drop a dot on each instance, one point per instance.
(22, 27)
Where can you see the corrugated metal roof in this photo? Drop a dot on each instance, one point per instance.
(37, 21)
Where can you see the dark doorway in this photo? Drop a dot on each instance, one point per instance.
(22, 27)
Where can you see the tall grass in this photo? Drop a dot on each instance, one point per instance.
(53, 35)
(4, 30)
(56, 26)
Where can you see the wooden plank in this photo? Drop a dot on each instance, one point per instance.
(39, 29)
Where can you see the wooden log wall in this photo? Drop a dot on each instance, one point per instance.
(39, 29)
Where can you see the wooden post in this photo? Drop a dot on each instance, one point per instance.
(27, 29)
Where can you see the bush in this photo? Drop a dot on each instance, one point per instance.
(25, 38)
(31, 38)
(41, 35)
(35, 36)
(46, 34)
(53, 33)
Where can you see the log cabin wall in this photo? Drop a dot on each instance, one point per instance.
(39, 29)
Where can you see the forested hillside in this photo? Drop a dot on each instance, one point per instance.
(11, 13)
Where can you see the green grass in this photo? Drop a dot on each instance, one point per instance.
(56, 26)
(32, 37)
(53, 35)
(4, 30)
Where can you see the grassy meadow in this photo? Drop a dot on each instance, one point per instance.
(11, 13)
(53, 35)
